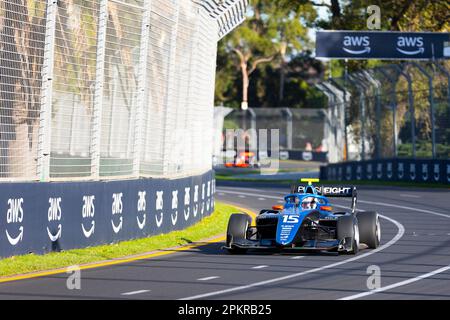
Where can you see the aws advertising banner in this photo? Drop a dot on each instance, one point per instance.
(412, 170)
(382, 45)
(41, 217)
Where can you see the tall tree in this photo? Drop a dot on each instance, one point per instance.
(270, 33)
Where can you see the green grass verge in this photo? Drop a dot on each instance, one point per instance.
(208, 227)
(352, 182)
(220, 177)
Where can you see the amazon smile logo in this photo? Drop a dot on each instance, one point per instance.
(116, 209)
(174, 214)
(187, 203)
(141, 209)
(88, 213)
(208, 194)
(195, 209)
(410, 45)
(356, 45)
(54, 215)
(202, 209)
(14, 217)
(159, 208)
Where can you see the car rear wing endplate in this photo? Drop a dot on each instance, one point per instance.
(334, 191)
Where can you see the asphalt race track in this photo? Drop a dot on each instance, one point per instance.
(414, 260)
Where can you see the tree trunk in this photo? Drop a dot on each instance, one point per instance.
(245, 82)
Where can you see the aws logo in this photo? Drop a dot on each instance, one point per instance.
(14, 217)
(187, 203)
(202, 209)
(117, 209)
(159, 208)
(141, 205)
(213, 192)
(400, 170)
(369, 172)
(389, 170)
(208, 194)
(348, 172)
(410, 45)
(356, 45)
(358, 172)
(195, 209)
(88, 213)
(174, 214)
(54, 215)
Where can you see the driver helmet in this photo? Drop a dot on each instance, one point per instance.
(309, 203)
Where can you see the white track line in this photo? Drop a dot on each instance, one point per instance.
(298, 257)
(397, 284)
(131, 293)
(405, 282)
(208, 278)
(260, 267)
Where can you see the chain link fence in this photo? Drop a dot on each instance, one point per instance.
(397, 110)
(108, 88)
(299, 129)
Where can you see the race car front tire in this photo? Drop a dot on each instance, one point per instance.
(369, 228)
(347, 228)
(237, 230)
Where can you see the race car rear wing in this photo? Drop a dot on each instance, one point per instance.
(328, 191)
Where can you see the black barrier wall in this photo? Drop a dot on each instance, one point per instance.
(412, 170)
(41, 217)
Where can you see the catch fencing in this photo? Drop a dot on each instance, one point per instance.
(109, 89)
(389, 112)
(299, 129)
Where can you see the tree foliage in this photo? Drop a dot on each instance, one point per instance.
(270, 34)
(275, 26)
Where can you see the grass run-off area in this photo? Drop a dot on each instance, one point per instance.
(208, 227)
(288, 182)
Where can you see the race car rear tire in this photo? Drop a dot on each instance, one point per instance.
(347, 228)
(369, 228)
(237, 230)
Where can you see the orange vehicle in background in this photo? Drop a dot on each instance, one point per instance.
(245, 159)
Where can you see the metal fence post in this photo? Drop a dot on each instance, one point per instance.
(338, 124)
(431, 99)
(288, 114)
(142, 82)
(344, 92)
(394, 108)
(329, 120)
(168, 127)
(447, 73)
(411, 107)
(98, 91)
(45, 116)
(376, 83)
(362, 115)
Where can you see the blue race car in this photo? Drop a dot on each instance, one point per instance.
(306, 222)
